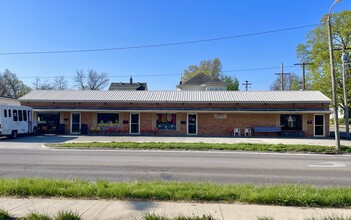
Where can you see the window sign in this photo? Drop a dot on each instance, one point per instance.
(108, 118)
(291, 122)
(166, 121)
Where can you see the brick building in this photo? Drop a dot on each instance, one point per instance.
(181, 113)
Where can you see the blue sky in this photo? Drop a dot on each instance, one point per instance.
(51, 25)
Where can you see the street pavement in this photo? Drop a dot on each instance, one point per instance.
(126, 210)
(123, 210)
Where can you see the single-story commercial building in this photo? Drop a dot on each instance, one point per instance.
(180, 113)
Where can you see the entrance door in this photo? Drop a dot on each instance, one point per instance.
(75, 122)
(192, 124)
(319, 125)
(134, 123)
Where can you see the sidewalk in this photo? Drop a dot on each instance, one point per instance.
(123, 210)
(228, 140)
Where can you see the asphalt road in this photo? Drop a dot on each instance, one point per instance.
(221, 167)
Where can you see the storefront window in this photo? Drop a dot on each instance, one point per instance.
(291, 122)
(107, 118)
(166, 121)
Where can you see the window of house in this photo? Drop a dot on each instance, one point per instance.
(110, 118)
(166, 121)
(291, 122)
(20, 116)
(15, 115)
(5, 113)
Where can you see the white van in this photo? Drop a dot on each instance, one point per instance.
(15, 120)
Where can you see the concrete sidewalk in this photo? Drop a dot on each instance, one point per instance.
(123, 210)
(228, 140)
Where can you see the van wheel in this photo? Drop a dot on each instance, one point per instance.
(14, 134)
(35, 131)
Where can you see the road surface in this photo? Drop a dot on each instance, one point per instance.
(220, 167)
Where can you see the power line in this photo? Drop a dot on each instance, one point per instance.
(156, 45)
(166, 74)
(253, 69)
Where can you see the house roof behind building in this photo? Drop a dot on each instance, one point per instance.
(175, 96)
(198, 79)
(128, 86)
(202, 78)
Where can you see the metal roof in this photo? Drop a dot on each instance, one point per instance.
(175, 96)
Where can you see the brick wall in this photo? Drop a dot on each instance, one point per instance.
(208, 124)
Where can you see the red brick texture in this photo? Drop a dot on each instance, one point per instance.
(212, 119)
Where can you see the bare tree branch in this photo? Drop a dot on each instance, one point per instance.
(60, 83)
(92, 81)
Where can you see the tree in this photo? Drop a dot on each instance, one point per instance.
(233, 82)
(60, 83)
(212, 68)
(315, 51)
(42, 85)
(11, 86)
(92, 81)
(3, 89)
(291, 82)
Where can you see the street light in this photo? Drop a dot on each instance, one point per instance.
(332, 73)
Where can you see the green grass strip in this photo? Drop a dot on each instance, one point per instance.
(204, 147)
(286, 195)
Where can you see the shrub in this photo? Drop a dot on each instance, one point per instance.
(68, 215)
(4, 215)
(38, 216)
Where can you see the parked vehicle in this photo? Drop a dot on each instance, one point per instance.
(16, 120)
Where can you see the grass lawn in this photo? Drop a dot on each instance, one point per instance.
(204, 147)
(286, 195)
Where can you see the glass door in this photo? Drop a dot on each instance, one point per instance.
(75, 122)
(192, 124)
(134, 123)
(319, 125)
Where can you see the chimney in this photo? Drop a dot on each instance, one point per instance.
(131, 80)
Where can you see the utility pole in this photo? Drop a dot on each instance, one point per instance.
(247, 84)
(303, 64)
(281, 74)
(345, 58)
(333, 80)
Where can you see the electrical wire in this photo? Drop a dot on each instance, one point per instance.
(172, 74)
(156, 45)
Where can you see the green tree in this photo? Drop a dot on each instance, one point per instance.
(212, 68)
(291, 82)
(315, 51)
(11, 86)
(232, 81)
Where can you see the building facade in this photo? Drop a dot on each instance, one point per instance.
(183, 113)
